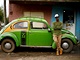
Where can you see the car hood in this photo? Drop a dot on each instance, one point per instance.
(66, 31)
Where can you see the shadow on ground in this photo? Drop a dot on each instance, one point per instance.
(23, 53)
(76, 49)
(28, 49)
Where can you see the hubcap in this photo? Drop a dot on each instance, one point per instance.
(65, 45)
(7, 45)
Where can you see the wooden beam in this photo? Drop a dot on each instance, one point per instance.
(4, 12)
(50, 0)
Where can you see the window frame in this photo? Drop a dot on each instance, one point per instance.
(31, 25)
(19, 22)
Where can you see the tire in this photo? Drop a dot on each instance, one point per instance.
(7, 45)
(67, 45)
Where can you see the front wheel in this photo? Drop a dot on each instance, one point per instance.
(67, 45)
(7, 45)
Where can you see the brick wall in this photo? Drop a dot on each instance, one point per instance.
(17, 10)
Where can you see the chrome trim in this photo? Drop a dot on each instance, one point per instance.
(36, 46)
(65, 45)
(7, 45)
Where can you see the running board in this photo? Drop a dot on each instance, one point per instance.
(36, 46)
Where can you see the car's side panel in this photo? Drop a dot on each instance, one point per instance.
(39, 37)
(22, 36)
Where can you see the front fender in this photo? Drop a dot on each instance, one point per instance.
(54, 45)
(71, 37)
(11, 35)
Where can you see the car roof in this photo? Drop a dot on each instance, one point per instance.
(31, 19)
(26, 19)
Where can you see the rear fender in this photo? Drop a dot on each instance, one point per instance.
(11, 35)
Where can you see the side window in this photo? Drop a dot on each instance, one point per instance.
(21, 25)
(38, 25)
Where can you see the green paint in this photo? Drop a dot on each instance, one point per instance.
(39, 37)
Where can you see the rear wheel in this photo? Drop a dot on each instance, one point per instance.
(7, 45)
(67, 45)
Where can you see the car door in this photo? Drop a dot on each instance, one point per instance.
(39, 34)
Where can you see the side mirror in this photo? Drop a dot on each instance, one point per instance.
(49, 30)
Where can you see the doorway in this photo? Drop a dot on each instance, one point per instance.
(69, 20)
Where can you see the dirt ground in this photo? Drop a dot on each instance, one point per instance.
(23, 53)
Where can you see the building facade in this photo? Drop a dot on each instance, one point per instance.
(69, 12)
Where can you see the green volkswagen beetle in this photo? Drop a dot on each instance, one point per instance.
(33, 32)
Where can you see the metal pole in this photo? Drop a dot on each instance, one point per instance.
(4, 12)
